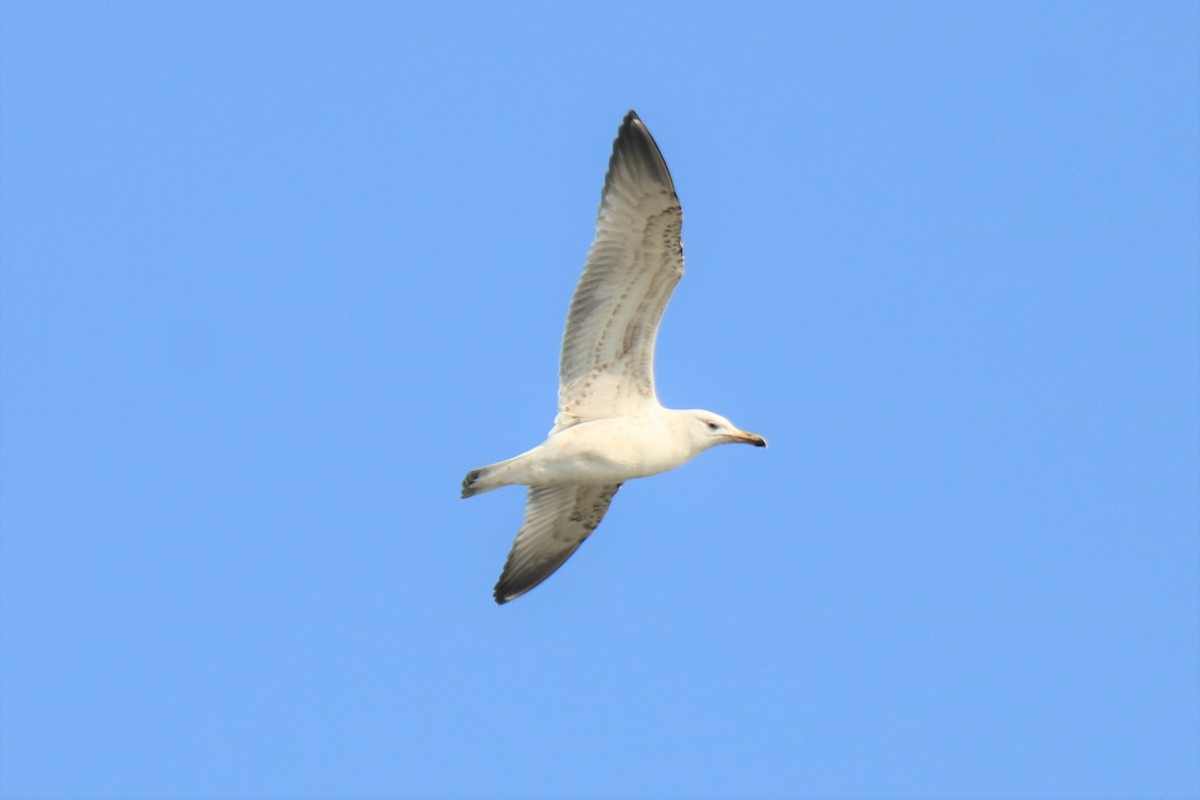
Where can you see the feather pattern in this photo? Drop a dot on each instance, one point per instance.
(635, 261)
(557, 520)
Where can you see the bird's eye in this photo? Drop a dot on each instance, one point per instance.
(712, 426)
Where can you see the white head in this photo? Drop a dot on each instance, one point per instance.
(707, 429)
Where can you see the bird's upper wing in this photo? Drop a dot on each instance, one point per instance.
(557, 520)
(607, 366)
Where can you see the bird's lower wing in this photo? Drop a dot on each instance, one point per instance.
(557, 520)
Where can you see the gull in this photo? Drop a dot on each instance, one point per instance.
(610, 426)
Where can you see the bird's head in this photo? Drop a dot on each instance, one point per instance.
(707, 429)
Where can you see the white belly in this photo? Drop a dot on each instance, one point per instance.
(606, 451)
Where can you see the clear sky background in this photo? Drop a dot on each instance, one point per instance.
(275, 276)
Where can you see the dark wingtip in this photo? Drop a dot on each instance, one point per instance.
(636, 147)
(510, 587)
(503, 592)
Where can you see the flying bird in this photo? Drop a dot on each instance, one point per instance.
(610, 426)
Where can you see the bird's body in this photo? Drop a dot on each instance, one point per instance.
(598, 452)
(610, 426)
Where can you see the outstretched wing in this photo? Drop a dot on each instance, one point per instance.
(635, 261)
(557, 520)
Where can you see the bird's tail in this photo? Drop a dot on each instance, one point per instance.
(484, 479)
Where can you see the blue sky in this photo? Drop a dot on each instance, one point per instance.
(275, 276)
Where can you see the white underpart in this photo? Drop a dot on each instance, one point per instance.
(606, 451)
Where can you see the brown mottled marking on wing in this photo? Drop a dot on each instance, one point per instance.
(557, 520)
(636, 259)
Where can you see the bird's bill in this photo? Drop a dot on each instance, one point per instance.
(745, 437)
